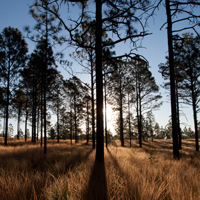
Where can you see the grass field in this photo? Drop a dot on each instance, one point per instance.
(71, 172)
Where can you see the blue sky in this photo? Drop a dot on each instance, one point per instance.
(14, 13)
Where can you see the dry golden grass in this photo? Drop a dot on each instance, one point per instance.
(71, 172)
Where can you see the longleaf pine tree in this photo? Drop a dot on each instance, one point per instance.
(13, 49)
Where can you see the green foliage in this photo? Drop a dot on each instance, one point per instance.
(13, 49)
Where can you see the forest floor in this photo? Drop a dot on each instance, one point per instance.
(71, 172)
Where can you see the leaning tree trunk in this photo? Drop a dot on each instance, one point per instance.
(99, 83)
(172, 83)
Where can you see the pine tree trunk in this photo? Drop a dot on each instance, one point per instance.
(71, 123)
(195, 124)
(58, 128)
(33, 115)
(99, 83)
(121, 115)
(129, 119)
(75, 121)
(172, 83)
(87, 122)
(194, 107)
(92, 94)
(44, 88)
(140, 119)
(18, 123)
(106, 131)
(38, 121)
(41, 107)
(178, 120)
(26, 120)
(7, 104)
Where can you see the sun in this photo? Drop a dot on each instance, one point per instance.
(111, 119)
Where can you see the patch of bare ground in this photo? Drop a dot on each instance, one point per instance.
(71, 172)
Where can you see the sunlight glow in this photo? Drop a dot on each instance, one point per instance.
(111, 119)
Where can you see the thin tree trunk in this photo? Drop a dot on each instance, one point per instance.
(26, 120)
(172, 83)
(92, 94)
(75, 122)
(45, 71)
(195, 123)
(58, 128)
(41, 113)
(4, 122)
(18, 123)
(129, 119)
(71, 123)
(121, 115)
(178, 120)
(33, 114)
(99, 83)
(7, 104)
(106, 131)
(87, 125)
(194, 108)
(140, 119)
(38, 123)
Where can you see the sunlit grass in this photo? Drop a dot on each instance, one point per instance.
(71, 172)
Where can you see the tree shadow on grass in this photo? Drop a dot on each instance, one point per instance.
(97, 186)
(122, 174)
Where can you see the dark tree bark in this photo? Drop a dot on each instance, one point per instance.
(71, 123)
(7, 107)
(75, 120)
(18, 122)
(106, 131)
(172, 83)
(41, 109)
(92, 94)
(34, 113)
(194, 108)
(178, 120)
(38, 121)
(140, 119)
(58, 128)
(129, 119)
(44, 85)
(26, 120)
(87, 125)
(99, 83)
(121, 114)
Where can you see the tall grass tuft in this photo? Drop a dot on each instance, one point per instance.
(71, 172)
